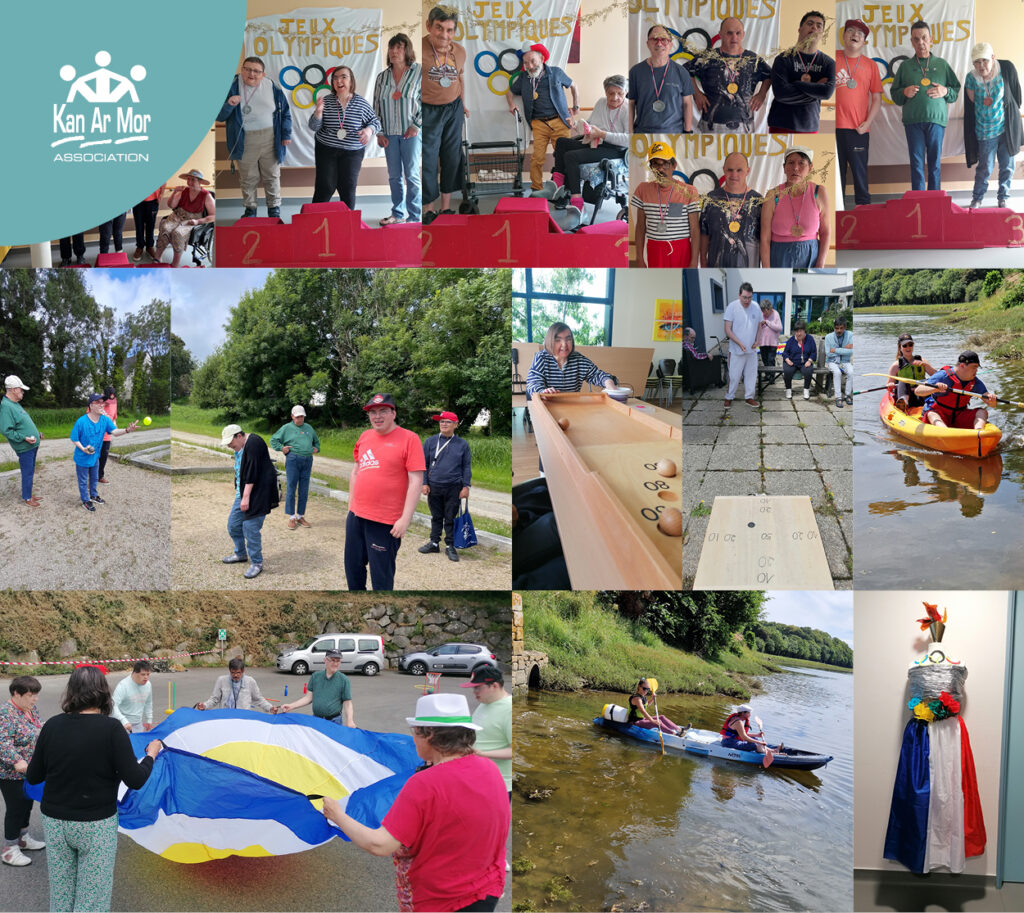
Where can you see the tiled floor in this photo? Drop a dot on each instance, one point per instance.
(905, 891)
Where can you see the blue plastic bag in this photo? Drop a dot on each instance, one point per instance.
(465, 535)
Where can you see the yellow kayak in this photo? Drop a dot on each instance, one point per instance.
(961, 441)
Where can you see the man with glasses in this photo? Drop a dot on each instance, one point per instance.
(445, 482)
(330, 693)
(258, 125)
(236, 691)
(660, 90)
(802, 77)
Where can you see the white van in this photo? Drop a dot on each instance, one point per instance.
(359, 653)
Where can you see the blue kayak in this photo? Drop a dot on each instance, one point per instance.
(709, 745)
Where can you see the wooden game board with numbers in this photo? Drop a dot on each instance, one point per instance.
(607, 493)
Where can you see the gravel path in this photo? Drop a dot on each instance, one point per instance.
(123, 545)
(482, 501)
(303, 559)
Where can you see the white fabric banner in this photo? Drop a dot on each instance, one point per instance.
(952, 26)
(696, 33)
(302, 46)
(494, 40)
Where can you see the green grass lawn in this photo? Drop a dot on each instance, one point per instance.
(923, 309)
(808, 663)
(491, 456)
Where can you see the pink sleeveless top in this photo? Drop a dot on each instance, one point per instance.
(790, 210)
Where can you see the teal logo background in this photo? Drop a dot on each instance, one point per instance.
(178, 64)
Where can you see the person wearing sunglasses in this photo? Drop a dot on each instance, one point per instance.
(911, 366)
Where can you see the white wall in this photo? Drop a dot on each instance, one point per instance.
(633, 320)
(886, 642)
(763, 280)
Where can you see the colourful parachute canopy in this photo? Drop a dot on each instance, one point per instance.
(239, 783)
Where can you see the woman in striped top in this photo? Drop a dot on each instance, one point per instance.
(396, 100)
(668, 215)
(559, 368)
(344, 124)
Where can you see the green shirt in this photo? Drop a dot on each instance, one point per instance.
(329, 693)
(15, 425)
(301, 438)
(922, 109)
(496, 720)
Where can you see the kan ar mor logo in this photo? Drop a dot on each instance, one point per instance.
(100, 113)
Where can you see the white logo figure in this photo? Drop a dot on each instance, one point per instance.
(108, 85)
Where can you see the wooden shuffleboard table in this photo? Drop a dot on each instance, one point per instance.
(609, 498)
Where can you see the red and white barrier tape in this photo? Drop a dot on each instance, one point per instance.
(76, 662)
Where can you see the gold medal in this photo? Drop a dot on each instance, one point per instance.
(926, 81)
(535, 96)
(805, 78)
(796, 231)
(988, 101)
(732, 88)
(734, 226)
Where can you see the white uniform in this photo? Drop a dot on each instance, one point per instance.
(745, 322)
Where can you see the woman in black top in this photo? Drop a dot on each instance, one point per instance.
(638, 715)
(83, 755)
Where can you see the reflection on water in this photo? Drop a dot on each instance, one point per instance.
(905, 494)
(614, 824)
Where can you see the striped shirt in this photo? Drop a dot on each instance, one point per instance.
(989, 119)
(398, 115)
(354, 116)
(666, 209)
(545, 373)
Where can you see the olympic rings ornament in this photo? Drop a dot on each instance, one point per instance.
(700, 172)
(314, 66)
(888, 74)
(294, 85)
(509, 70)
(312, 91)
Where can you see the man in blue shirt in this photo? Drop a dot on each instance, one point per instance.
(87, 436)
(660, 90)
(839, 359)
(946, 406)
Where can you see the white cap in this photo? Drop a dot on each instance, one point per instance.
(744, 708)
(228, 433)
(804, 150)
(298, 410)
(982, 51)
(12, 381)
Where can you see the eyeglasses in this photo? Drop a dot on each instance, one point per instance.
(906, 345)
(251, 70)
(660, 40)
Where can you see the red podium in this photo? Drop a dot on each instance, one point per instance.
(521, 232)
(321, 234)
(926, 219)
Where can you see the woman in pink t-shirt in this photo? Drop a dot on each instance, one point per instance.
(796, 225)
(447, 828)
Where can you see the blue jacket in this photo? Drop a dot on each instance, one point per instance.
(231, 115)
(798, 357)
(451, 468)
(557, 81)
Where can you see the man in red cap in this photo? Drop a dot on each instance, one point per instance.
(383, 491)
(445, 482)
(858, 101)
(544, 107)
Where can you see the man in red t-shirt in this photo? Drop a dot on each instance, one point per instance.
(858, 100)
(383, 491)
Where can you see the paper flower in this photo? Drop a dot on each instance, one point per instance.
(949, 702)
(923, 712)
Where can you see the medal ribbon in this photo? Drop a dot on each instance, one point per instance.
(846, 62)
(442, 63)
(807, 66)
(342, 113)
(793, 210)
(658, 88)
(924, 70)
(735, 213)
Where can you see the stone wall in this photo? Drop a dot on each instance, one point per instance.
(523, 661)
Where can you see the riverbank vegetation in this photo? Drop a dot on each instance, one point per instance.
(606, 641)
(801, 643)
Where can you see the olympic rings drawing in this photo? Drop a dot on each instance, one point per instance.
(700, 172)
(509, 70)
(889, 73)
(313, 66)
(683, 52)
(312, 100)
(280, 77)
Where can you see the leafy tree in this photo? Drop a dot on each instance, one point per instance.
(993, 280)
(69, 317)
(209, 390)
(21, 333)
(182, 364)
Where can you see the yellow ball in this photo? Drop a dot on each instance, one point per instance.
(147, 421)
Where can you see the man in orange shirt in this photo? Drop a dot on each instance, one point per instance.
(858, 100)
(383, 491)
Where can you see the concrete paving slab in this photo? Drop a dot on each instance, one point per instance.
(788, 456)
(798, 482)
(784, 434)
(694, 539)
(840, 483)
(696, 457)
(699, 433)
(739, 435)
(729, 483)
(780, 417)
(740, 456)
(836, 551)
(826, 434)
(742, 414)
(837, 457)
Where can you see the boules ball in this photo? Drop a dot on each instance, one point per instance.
(666, 468)
(671, 522)
(147, 421)
(563, 423)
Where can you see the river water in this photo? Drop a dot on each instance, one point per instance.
(614, 825)
(908, 500)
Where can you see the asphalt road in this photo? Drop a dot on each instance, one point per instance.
(336, 876)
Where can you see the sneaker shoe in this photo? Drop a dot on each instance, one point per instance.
(249, 213)
(975, 204)
(429, 548)
(849, 399)
(32, 502)
(30, 843)
(88, 506)
(66, 261)
(98, 500)
(728, 403)
(291, 522)
(789, 394)
(274, 212)
(137, 255)
(304, 522)
(429, 217)
(1001, 202)
(839, 404)
(451, 553)
(104, 481)
(753, 403)
(13, 855)
(561, 193)
(80, 261)
(253, 570)
(234, 558)
(807, 393)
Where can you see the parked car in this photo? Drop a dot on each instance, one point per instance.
(359, 653)
(451, 659)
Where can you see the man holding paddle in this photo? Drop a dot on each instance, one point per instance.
(736, 733)
(950, 391)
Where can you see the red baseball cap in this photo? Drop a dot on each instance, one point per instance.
(445, 417)
(380, 399)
